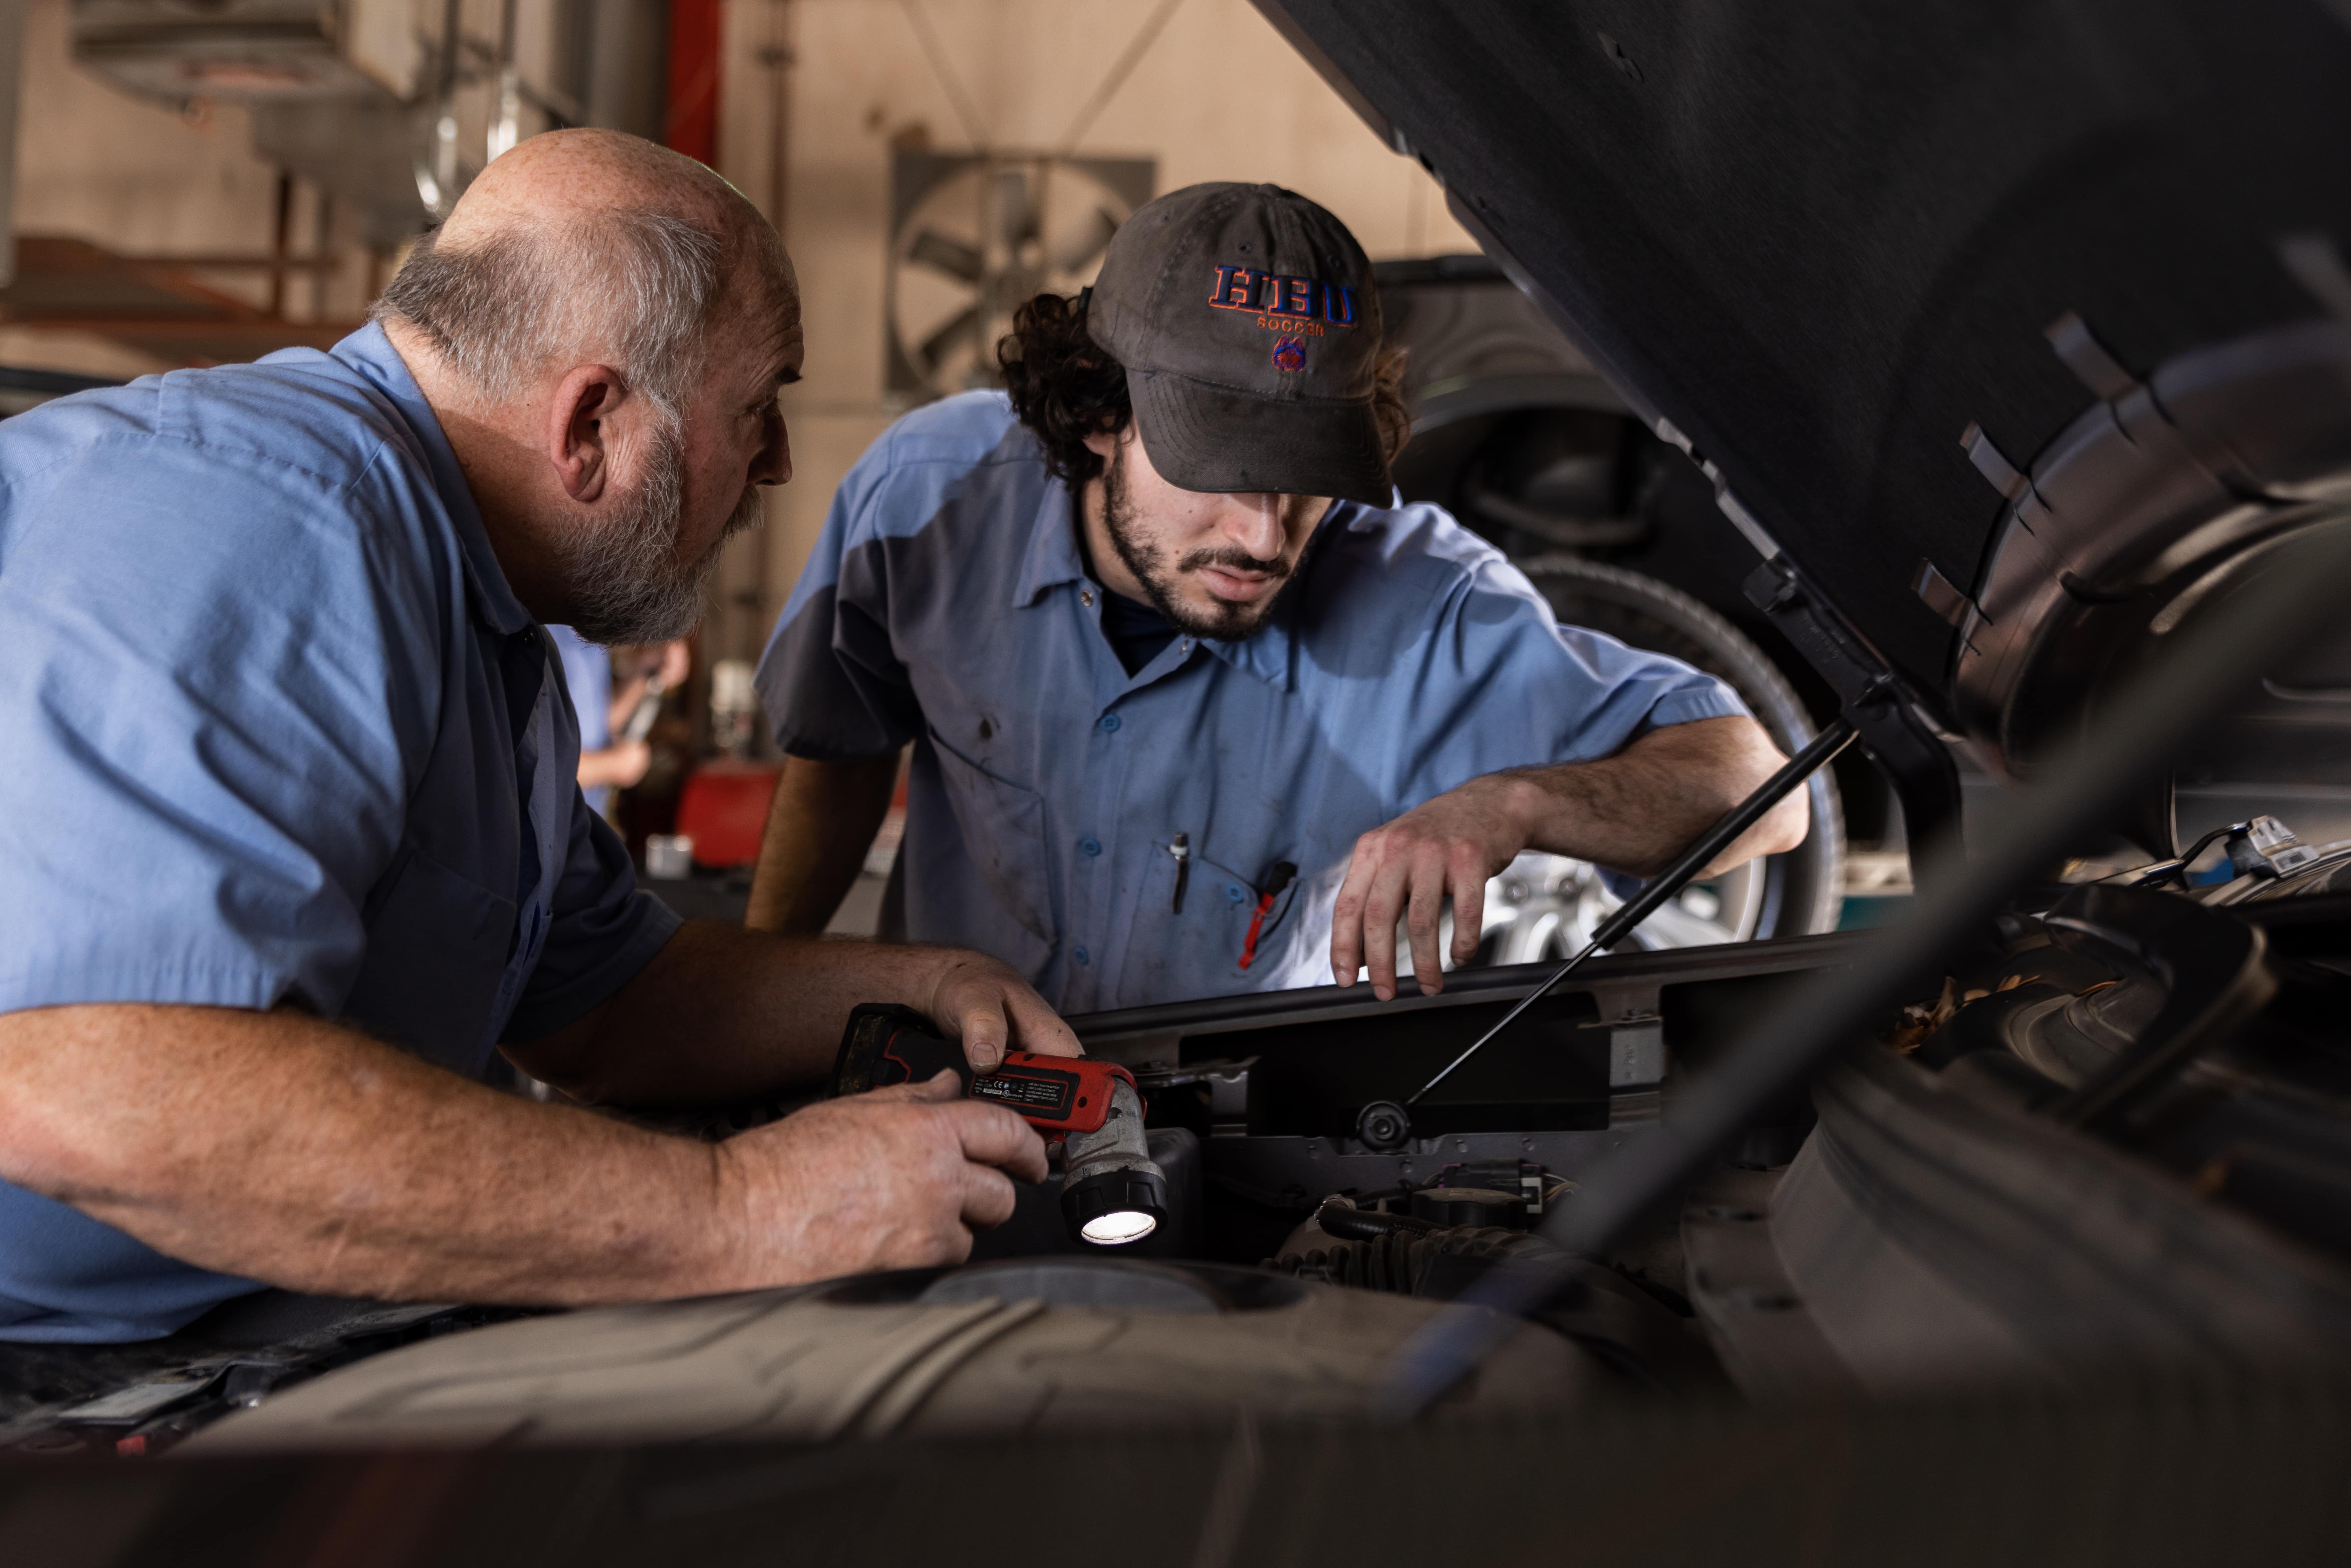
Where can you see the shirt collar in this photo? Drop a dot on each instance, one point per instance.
(370, 352)
(1052, 557)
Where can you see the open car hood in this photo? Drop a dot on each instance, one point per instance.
(2010, 325)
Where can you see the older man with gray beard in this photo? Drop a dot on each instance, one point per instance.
(289, 842)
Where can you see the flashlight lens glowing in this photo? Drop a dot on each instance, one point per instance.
(1118, 1227)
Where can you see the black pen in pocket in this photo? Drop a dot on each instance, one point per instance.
(1181, 850)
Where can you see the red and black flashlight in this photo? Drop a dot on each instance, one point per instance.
(1112, 1193)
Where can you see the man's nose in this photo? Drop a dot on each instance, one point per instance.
(773, 464)
(1254, 523)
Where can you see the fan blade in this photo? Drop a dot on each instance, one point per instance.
(939, 344)
(951, 257)
(1016, 214)
(1089, 241)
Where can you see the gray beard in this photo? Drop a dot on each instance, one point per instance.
(627, 584)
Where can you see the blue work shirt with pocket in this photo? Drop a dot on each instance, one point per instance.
(273, 730)
(948, 604)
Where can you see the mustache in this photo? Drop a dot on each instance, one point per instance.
(751, 508)
(1237, 561)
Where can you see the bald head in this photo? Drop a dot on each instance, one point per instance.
(567, 174)
(582, 246)
(601, 329)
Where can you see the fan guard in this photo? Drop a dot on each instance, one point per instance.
(973, 235)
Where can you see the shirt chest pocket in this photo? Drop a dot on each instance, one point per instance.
(1003, 826)
(437, 946)
(1198, 951)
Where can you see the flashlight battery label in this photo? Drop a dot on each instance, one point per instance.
(1027, 1091)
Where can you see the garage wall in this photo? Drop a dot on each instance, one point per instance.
(94, 163)
(1217, 96)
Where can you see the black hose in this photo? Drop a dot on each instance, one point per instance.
(1351, 1223)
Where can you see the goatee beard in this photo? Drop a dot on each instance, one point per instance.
(627, 584)
(1227, 623)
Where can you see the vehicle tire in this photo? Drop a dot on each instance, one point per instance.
(1802, 891)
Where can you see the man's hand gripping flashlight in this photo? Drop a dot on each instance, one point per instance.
(1112, 1193)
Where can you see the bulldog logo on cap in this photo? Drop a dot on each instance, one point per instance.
(1290, 354)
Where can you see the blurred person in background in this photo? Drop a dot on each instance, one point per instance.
(613, 750)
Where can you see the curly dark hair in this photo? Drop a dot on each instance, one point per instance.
(1065, 388)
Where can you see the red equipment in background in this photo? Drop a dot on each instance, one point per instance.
(690, 116)
(723, 804)
(724, 810)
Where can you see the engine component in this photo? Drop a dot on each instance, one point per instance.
(1626, 1325)
(1340, 1218)
(1790, 1271)
(1038, 1344)
(1394, 1258)
(1474, 1205)
(2265, 621)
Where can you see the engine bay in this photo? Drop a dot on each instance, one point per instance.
(1945, 1208)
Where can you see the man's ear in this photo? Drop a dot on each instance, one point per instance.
(1105, 444)
(579, 444)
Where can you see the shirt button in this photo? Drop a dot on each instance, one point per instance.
(1093, 847)
(1082, 956)
(1236, 894)
(1110, 722)
(1086, 597)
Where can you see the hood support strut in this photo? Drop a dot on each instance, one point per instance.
(1912, 756)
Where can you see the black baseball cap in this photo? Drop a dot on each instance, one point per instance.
(1249, 327)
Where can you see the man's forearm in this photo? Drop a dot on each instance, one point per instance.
(286, 1149)
(1640, 808)
(722, 1015)
(822, 821)
(1636, 811)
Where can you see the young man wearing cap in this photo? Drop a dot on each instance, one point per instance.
(1195, 708)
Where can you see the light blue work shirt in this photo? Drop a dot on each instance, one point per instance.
(273, 730)
(588, 676)
(948, 604)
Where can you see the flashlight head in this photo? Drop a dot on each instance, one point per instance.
(1116, 1207)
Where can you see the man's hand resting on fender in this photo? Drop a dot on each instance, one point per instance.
(1444, 848)
(1636, 811)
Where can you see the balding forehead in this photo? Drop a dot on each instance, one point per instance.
(567, 175)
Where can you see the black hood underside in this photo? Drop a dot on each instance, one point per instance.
(1824, 241)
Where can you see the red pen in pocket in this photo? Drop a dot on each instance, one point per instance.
(1283, 873)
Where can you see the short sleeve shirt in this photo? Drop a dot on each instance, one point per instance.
(276, 730)
(949, 605)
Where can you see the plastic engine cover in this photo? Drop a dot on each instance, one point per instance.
(1001, 1347)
